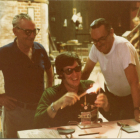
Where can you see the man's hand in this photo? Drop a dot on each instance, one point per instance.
(102, 102)
(137, 115)
(7, 101)
(70, 98)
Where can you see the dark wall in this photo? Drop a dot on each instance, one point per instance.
(116, 12)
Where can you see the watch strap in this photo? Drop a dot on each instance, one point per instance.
(52, 108)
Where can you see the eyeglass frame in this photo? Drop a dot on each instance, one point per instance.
(72, 69)
(31, 31)
(103, 38)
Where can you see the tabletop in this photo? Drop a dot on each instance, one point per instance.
(107, 130)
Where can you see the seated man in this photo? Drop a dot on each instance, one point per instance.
(61, 103)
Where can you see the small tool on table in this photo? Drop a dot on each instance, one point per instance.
(88, 134)
(126, 128)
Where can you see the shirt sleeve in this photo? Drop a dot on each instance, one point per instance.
(93, 54)
(46, 60)
(42, 118)
(128, 55)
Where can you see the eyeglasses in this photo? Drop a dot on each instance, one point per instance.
(100, 40)
(70, 71)
(28, 31)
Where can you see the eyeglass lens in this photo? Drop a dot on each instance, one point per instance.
(35, 32)
(70, 71)
(101, 39)
(28, 31)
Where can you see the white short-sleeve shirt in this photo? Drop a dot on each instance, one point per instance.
(114, 63)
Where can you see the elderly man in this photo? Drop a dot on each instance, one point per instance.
(119, 64)
(61, 103)
(23, 63)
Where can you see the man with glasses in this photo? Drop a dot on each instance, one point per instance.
(119, 64)
(61, 103)
(23, 63)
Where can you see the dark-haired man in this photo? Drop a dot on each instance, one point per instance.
(120, 66)
(61, 103)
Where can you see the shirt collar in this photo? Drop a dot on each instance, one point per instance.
(113, 47)
(35, 46)
(82, 88)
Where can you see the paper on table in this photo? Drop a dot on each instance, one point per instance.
(41, 133)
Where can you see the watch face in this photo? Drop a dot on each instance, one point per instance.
(52, 107)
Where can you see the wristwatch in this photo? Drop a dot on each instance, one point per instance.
(52, 108)
(137, 108)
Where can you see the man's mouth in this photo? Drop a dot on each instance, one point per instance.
(74, 79)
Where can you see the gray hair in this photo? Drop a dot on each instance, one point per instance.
(18, 17)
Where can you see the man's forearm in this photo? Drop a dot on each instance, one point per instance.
(87, 69)
(85, 75)
(53, 108)
(49, 77)
(50, 81)
(135, 95)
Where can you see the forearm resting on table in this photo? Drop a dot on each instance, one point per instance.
(133, 80)
(135, 90)
(136, 101)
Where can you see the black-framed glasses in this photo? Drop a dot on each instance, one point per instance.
(28, 31)
(100, 40)
(70, 70)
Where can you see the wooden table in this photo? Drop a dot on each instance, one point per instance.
(108, 130)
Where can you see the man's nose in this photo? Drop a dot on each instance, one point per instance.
(98, 43)
(74, 72)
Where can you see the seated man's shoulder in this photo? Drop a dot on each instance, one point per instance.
(52, 89)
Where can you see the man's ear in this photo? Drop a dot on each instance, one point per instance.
(15, 31)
